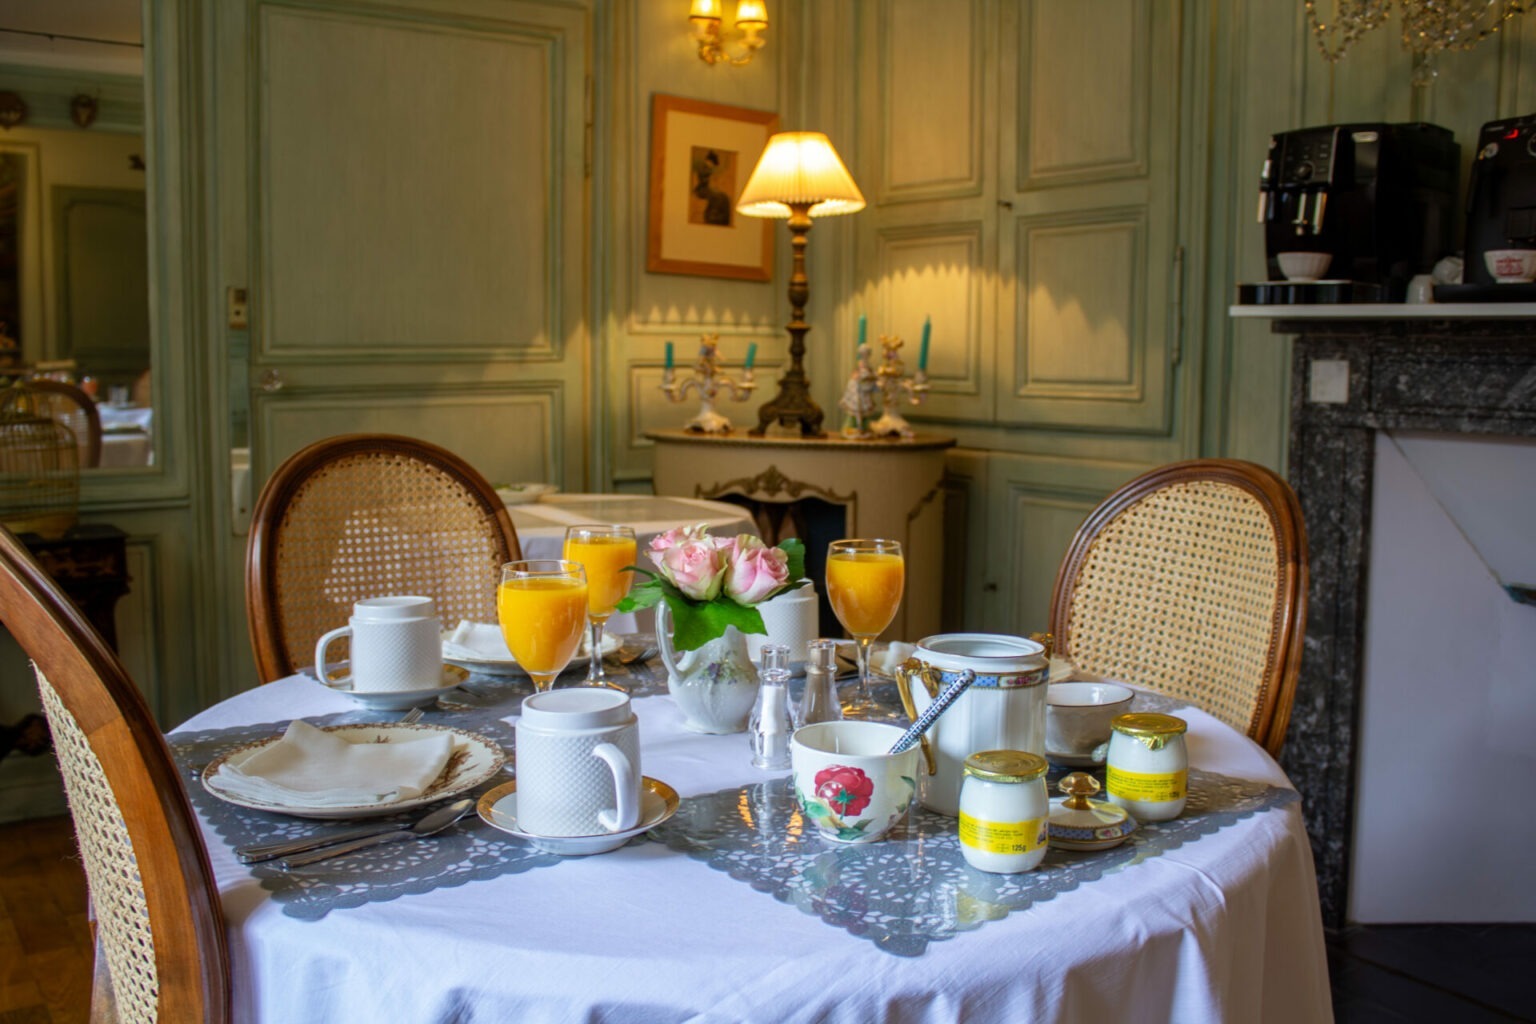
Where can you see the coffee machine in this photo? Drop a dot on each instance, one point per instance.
(1373, 202)
(1501, 208)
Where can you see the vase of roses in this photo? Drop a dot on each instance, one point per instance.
(706, 591)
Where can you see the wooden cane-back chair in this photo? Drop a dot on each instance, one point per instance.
(67, 404)
(1192, 579)
(368, 515)
(160, 929)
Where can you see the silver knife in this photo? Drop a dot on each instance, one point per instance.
(272, 851)
(429, 825)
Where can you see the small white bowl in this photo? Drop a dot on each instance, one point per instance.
(1304, 266)
(1078, 717)
(1511, 266)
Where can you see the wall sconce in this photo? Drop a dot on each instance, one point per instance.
(751, 21)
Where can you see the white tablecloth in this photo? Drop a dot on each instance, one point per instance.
(541, 528)
(1223, 929)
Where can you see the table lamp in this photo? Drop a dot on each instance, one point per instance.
(799, 176)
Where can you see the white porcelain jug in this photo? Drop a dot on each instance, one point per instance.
(1004, 709)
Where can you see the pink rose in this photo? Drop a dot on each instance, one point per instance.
(753, 570)
(679, 535)
(694, 566)
(847, 790)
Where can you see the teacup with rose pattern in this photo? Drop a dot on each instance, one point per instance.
(847, 784)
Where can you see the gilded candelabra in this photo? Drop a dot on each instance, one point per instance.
(708, 379)
(896, 388)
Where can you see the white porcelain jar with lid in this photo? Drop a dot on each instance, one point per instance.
(1004, 811)
(1147, 771)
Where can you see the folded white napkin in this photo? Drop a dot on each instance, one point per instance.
(309, 767)
(476, 641)
(895, 653)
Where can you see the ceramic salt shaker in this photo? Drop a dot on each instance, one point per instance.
(1004, 811)
(772, 721)
(1148, 769)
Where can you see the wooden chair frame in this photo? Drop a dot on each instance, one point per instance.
(264, 610)
(91, 445)
(186, 921)
(1277, 689)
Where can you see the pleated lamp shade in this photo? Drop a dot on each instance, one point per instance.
(799, 167)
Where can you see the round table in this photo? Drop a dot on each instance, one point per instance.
(1223, 927)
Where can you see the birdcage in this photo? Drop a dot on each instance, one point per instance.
(39, 467)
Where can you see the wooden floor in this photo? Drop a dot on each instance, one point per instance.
(1438, 973)
(45, 938)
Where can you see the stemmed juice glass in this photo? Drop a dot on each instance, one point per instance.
(865, 580)
(542, 607)
(605, 551)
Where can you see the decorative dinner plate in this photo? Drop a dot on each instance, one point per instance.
(398, 700)
(498, 809)
(474, 760)
(510, 667)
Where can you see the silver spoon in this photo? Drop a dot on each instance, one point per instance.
(941, 703)
(428, 825)
(272, 851)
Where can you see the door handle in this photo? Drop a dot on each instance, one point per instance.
(272, 380)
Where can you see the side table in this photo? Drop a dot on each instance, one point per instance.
(821, 489)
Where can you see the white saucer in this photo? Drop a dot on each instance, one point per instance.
(398, 700)
(1074, 760)
(509, 666)
(498, 809)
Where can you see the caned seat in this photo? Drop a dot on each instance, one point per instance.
(67, 404)
(368, 515)
(160, 931)
(1192, 579)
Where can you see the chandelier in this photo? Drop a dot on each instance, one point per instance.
(1429, 26)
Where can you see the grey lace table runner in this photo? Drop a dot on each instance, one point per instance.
(915, 887)
(470, 850)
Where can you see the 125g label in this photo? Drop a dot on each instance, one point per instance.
(1159, 788)
(1003, 836)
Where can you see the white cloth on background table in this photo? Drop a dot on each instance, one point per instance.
(1223, 929)
(309, 767)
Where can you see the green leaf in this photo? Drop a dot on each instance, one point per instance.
(794, 547)
(695, 623)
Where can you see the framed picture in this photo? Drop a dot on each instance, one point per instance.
(701, 156)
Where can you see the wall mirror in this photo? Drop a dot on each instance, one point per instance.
(74, 280)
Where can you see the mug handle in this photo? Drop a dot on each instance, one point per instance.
(320, 645)
(627, 815)
(912, 667)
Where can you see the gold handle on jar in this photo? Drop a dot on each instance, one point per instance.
(912, 667)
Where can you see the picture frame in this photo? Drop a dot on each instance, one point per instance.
(701, 156)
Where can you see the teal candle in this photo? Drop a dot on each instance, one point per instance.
(922, 352)
(669, 355)
(863, 329)
(751, 355)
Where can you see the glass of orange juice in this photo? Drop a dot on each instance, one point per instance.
(542, 607)
(605, 552)
(865, 580)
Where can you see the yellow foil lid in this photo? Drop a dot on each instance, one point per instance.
(1147, 724)
(1005, 765)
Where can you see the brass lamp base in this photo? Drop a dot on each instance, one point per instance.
(793, 403)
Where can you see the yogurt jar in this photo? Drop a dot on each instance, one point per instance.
(1004, 811)
(1147, 771)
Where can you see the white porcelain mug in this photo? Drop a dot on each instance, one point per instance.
(578, 763)
(397, 645)
(1004, 709)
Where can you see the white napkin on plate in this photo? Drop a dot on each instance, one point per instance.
(476, 641)
(310, 767)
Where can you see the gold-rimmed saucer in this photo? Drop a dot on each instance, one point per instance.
(497, 807)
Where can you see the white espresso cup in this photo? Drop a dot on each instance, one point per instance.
(578, 763)
(397, 645)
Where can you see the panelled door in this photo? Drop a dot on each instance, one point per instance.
(405, 226)
(1088, 255)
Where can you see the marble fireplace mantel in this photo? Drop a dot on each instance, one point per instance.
(1350, 378)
